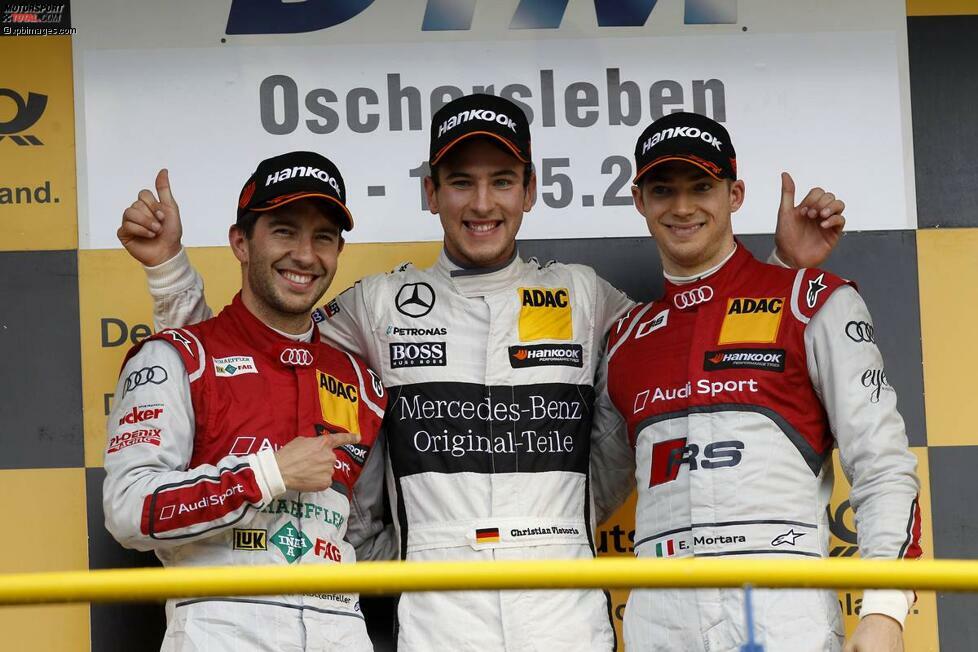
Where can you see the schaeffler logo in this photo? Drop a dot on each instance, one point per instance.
(303, 171)
(250, 17)
(27, 113)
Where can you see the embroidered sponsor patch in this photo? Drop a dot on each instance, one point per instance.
(339, 402)
(750, 319)
(545, 314)
(234, 365)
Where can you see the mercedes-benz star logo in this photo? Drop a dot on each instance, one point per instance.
(415, 299)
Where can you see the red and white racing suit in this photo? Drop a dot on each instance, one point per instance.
(735, 388)
(191, 474)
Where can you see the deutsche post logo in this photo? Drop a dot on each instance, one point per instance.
(545, 314)
(28, 112)
(751, 320)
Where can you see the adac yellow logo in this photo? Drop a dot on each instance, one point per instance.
(545, 314)
(751, 320)
(338, 401)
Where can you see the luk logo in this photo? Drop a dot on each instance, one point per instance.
(418, 354)
(27, 113)
(250, 539)
(669, 456)
(263, 17)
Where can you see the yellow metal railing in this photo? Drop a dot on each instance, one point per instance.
(395, 577)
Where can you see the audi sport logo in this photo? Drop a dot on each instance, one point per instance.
(693, 297)
(296, 357)
(415, 299)
(861, 331)
(155, 375)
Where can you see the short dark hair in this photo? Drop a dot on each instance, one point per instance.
(527, 172)
(247, 223)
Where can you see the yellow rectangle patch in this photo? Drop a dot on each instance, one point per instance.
(339, 402)
(750, 319)
(545, 314)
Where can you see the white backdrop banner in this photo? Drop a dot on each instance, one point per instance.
(828, 106)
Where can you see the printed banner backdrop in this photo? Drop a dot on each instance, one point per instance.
(71, 315)
(37, 144)
(802, 96)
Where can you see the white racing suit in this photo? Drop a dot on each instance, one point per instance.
(492, 432)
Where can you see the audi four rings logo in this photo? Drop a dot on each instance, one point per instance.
(693, 297)
(860, 331)
(156, 375)
(296, 357)
(415, 299)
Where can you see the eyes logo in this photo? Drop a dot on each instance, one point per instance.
(693, 297)
(156, 375)
(296, 357)
(415, 299)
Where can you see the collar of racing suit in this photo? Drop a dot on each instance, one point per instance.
(479, 281)
(714, 280)
(686, 280)
(260, 337)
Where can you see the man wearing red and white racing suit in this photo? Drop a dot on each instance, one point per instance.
(212, 429)
(735, 386)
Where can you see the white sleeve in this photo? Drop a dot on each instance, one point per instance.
(373, 539)
(178, 293)
(151, 498)
(846, 369)
(612, 458)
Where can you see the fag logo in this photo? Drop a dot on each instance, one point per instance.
(545, 314)
(749, 320)
(26, 115)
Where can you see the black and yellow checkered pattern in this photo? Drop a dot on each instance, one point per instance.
(68, 317)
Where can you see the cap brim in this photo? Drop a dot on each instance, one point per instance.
(509, 145)
(666, 159)
(288, 199)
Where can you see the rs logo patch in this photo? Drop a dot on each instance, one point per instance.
(751, 320)
(545, 314)
(338, 401)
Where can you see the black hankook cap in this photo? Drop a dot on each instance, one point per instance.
(479, 115)
(688, 137)
(289, 177)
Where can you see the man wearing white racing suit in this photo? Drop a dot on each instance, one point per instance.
(490, 363)
(735, 386)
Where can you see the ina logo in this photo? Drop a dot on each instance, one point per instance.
(28, 112)
(292, 542)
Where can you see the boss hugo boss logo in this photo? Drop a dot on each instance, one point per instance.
(296, 357)
(477, 114)
(681, 132)
(303, 171)
(154, 375)
(415, 299)
(861, 331)
(544, 355)
(418, 354)
(693, 297)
